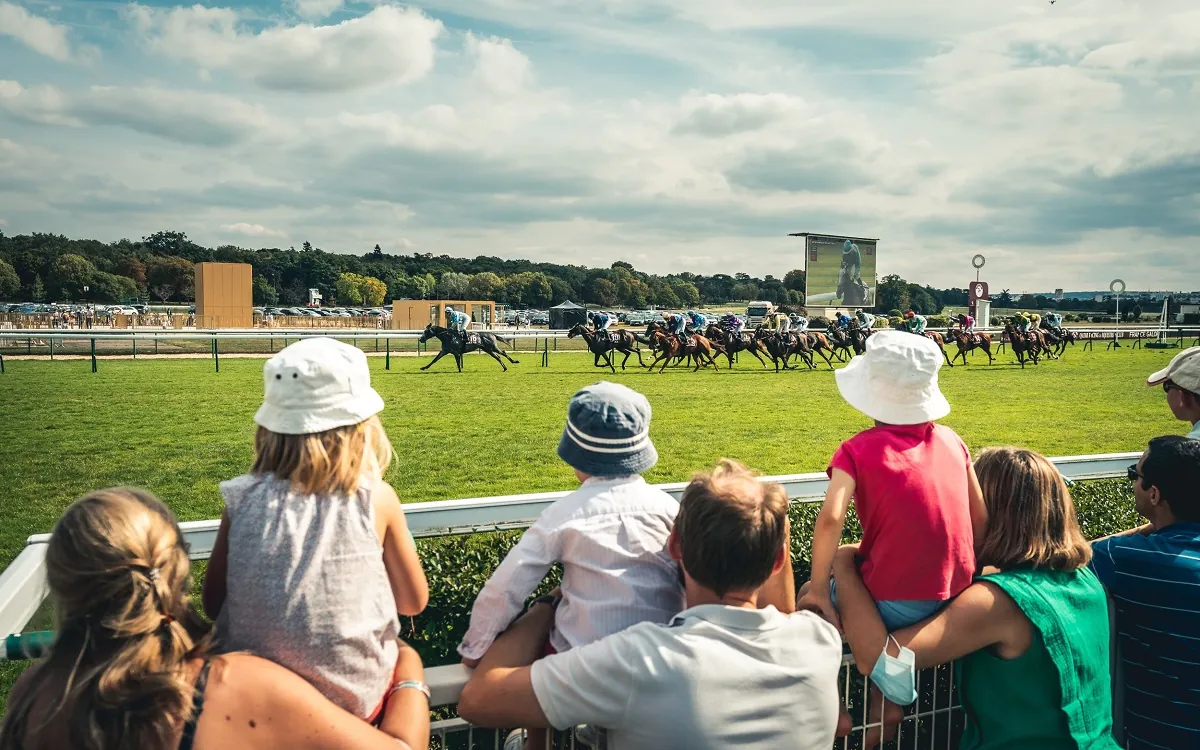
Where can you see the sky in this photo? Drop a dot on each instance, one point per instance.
(1059, 141)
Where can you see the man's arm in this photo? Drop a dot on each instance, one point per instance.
(500, 692)
(1145, 529)
(213, 593)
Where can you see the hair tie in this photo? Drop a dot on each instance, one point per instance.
(154, 574)
(167, 620)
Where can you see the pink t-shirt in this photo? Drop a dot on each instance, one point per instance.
(912, 498)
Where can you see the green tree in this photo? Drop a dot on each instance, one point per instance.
(686, 291)
(134, 268)
(561, 291)
(373, 291)
(454, 285)
(349, 291)
(37, 292)
(745, 291)
(892, 294)
(70, 273)
(109, 287)
(171, 278)
(485, 286)
(794, 279)
(264, 293)
(602, 292)
(10, 283)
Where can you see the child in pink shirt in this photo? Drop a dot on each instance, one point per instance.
(916, 494)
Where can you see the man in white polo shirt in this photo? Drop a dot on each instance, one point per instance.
(1181, 381)
(722, 674)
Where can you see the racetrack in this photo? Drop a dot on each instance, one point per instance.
(178, 428)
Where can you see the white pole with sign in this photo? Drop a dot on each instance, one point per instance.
(1116, 287)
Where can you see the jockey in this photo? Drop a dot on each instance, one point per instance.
(1035, 321)
(914, 323)
(599, 320)
(966, 323)
(866, 320)
(1020, 321)
(698, 321)
(801, 324)
(779, 322)
(851, 262)
(457, 321)
(842, 322)
(675, 322)
(732, 323)
(1053, 321)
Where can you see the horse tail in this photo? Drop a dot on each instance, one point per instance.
(502, 340)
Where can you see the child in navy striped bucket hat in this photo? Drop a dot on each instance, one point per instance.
(610, 535)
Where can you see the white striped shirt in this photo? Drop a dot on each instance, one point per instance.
(611, 537)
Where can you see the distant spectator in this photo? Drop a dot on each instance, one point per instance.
(1153, 574)
(131, 666)
(296, 573)
(1032, 633)
(723, 674)
(1181, 381)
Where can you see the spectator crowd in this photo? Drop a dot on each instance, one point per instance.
(677, 623)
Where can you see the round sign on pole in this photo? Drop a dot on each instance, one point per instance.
(978, 261)
(1117, 286)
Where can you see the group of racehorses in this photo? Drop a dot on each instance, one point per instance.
(704, 349)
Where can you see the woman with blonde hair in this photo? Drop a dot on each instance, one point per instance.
(313, 559)
(1031, 634)
(130, 667)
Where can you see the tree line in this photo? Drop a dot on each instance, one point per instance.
(159, 268)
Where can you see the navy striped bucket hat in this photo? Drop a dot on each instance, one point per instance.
(608, 432)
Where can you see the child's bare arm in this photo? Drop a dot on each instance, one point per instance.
(400, 559)
(213, 595)
(979, 514)
(827, 535)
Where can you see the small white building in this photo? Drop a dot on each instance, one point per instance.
(1187, 309)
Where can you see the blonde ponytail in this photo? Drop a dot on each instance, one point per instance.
(119, 577)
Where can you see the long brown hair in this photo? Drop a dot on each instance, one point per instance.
(330, 462)
(1031, 518)
(119, 579)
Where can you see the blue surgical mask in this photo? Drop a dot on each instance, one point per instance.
(896, 676)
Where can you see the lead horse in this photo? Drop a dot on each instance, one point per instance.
(459, 343)
(933, 336)
(970, 342)
(734, 342)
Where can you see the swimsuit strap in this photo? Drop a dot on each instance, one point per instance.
(189, 727)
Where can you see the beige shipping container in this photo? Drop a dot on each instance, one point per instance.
(224, 296)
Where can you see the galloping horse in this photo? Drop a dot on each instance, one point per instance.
(457, 344)
(842, 343)
(859, 336)
(777, 347)
(968, 343)
(1066, 336)
(1021, 346)
(733, 343)
(603, 343)
(934, 336)
(670, 346)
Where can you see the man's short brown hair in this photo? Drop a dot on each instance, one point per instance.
(730, 528)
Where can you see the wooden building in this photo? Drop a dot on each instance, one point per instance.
(415, 314)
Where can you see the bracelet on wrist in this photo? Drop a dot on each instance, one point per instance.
(411, 685)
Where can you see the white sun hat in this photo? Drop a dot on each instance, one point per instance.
(1184, 371)
(896, 380)
(315, 385)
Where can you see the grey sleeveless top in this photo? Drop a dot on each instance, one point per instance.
(306, 588)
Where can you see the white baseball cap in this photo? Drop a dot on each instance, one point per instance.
(896, 380)
(1184, 371)
(315, 385)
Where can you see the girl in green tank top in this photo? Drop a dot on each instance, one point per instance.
(1031, 636)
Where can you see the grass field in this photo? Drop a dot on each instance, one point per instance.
(177, 427)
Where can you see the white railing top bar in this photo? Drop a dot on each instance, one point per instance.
(22, 584)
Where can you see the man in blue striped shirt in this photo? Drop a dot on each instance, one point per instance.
(1153, 575)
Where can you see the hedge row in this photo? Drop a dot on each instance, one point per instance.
(457, 567)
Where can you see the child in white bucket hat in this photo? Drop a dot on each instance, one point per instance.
(913, 486)
(313, 559)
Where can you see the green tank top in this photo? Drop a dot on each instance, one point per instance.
(1057, 695)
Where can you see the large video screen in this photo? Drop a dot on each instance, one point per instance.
(841, 271)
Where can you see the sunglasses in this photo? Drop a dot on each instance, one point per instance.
(1133, 473)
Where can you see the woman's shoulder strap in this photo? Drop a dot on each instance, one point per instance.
(189, 727)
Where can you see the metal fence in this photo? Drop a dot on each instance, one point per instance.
(932, 722)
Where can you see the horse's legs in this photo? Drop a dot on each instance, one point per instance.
(492, 353)
(458, 360)
(608, 357)
(506, 356)
(987, 349)
(440, 354)
(944, 354)
(627, 352)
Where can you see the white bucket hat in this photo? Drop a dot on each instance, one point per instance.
(896, 380)
(316, 385)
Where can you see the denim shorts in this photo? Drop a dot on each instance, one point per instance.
(899, 613)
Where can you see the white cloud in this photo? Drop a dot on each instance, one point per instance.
(718, 116)
(500, 68)
(316, 8)
(252, 230)
(184, 116)
(387, 45)
(37, 33)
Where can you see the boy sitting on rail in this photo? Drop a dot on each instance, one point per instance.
(610, 535)
(313, 559)
(913, 486)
